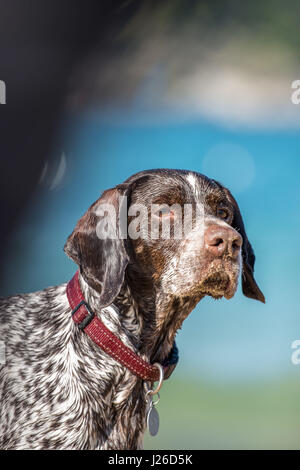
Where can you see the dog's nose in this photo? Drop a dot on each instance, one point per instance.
(221, 240)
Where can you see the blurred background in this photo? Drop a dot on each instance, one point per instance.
(199, 85)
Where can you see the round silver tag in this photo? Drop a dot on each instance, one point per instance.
(153, 421)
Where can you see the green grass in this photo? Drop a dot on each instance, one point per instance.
(217, 416)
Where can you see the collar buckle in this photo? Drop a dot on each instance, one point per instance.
(87, 320)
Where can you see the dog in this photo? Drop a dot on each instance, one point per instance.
(59, 387)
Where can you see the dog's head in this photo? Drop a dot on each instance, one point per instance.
(178, 228)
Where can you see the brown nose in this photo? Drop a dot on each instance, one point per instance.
(221, 240)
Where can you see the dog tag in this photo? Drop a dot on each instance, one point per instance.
(153, 420)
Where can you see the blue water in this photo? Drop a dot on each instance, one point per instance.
(224, 340)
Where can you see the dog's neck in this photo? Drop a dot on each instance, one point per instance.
(147, 317)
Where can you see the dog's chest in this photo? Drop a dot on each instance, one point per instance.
(59, 390)
(97, 403)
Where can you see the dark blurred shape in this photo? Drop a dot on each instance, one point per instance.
(41, 43)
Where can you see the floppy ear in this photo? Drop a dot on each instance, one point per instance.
(249, 285)
(97, 247)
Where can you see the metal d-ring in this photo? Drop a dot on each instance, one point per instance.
(160, 381)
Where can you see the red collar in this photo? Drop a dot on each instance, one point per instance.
(110, 343)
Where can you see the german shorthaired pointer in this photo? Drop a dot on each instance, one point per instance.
(60, 387)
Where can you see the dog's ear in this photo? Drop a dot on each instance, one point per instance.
(249, 285)
(98, 244)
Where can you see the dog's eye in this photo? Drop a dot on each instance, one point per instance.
(222, 213)
(164, 212)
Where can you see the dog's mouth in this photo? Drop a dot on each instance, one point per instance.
(220, 283)
(217, 281)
